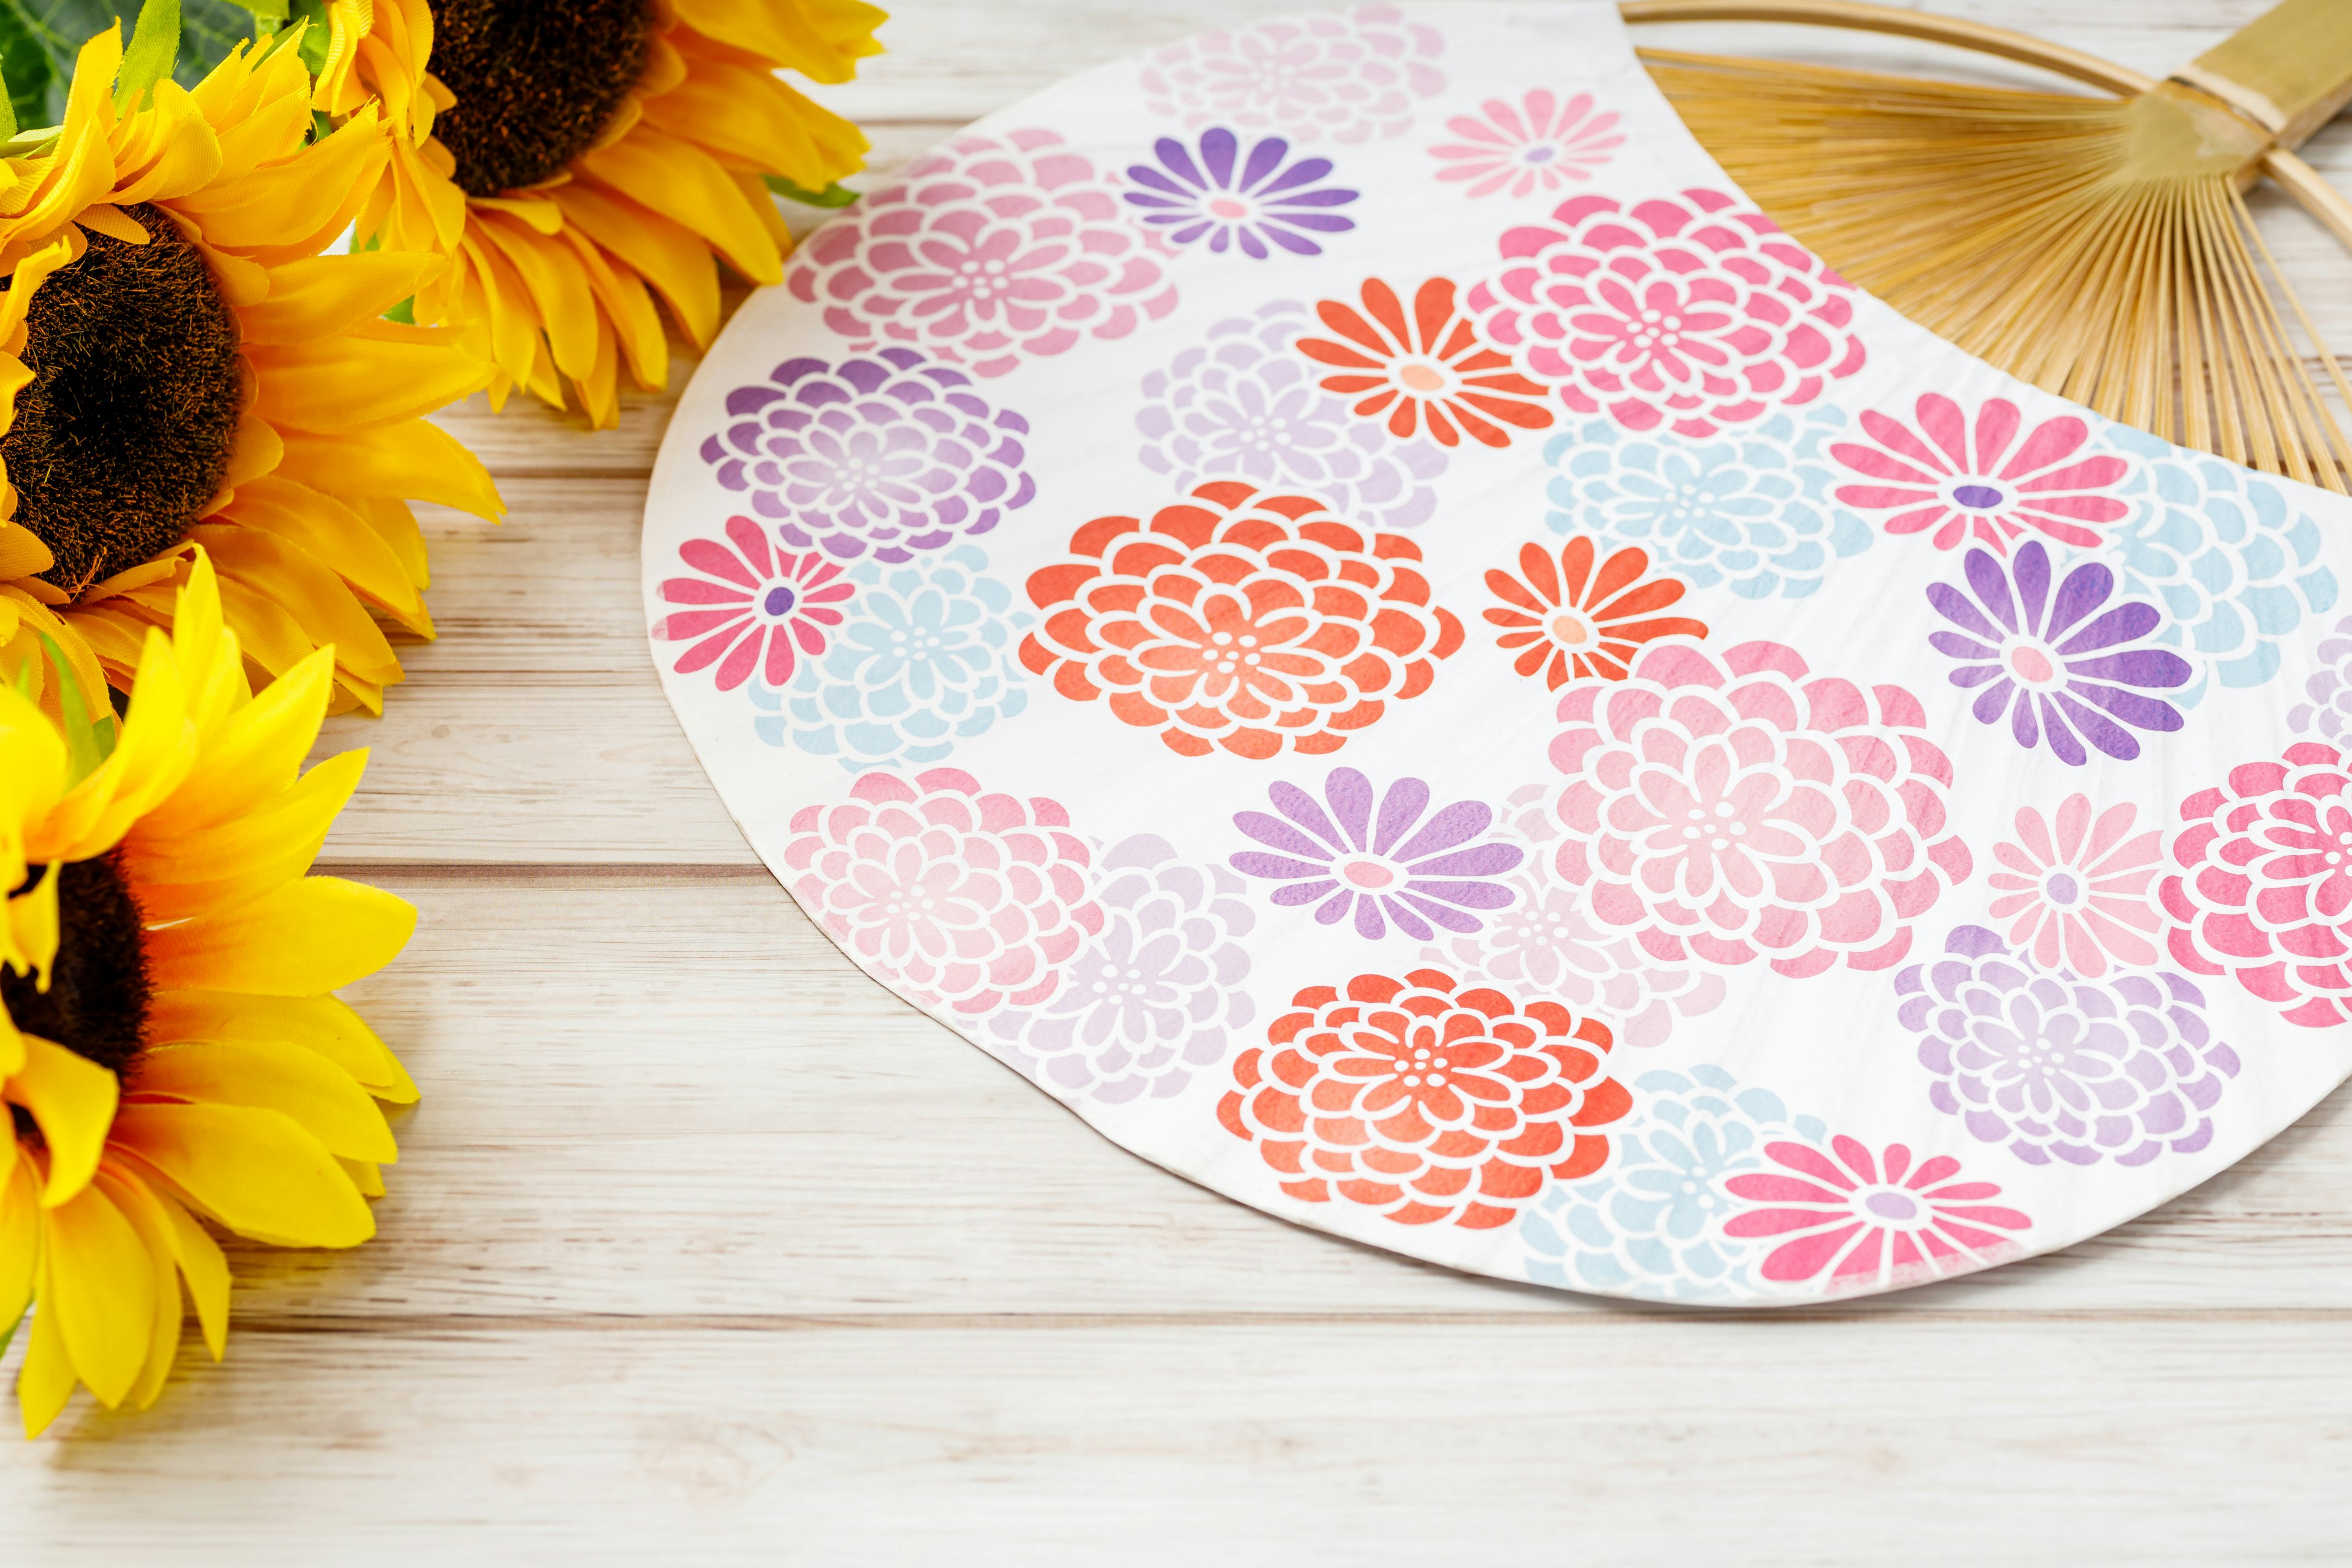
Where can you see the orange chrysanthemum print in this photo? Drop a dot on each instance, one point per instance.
(1253, 621)
(1428, 369)
(1582, 613)
(1425, 1100)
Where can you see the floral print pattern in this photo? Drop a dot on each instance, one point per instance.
(893, 455)
(1239, 405)
(1345, 76)
(1651, 1226)
(1396, 863)
(2062, 1067)
(1690, 315)
(1239, 620)
(1425, 1101)
(2064, 667)
(1751, 513)
(754, 607)
(1988, 484)
(1156, 994)
(1536, 145)
(1733, 806)
(926, 659)
(2327, 707)
(1426, 371)
(988, 251)
(1858, 1220)
(2079, 892)
(1227, 200)
(963, 899)
(1578, 614)
(2264, 890)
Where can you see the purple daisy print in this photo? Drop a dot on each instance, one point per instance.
(2066, 666)
(1229, 200)
(1389, 862)
(887, 456)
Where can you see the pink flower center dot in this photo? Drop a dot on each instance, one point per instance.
(1891, 1205)
(1570, 628)
(2031, 663)
(1420, 378)
(1227, 208)
(1367, 874)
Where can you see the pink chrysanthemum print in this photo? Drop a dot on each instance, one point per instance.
(988, 251)
(1870, 1221)
(959, 897)
(1690, 315)
(2077, 887)
(1985, 478)
(2265, 888)
(1347, 76)
(754, 607)
(1541, 143)
(1733, 806)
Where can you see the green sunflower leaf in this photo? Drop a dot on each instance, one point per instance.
(148, 58)
(55, 30)
(88, 744)
(833, 195)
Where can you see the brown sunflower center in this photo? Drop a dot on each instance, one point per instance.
(95, 1005)
(123, 434)
(536, 82)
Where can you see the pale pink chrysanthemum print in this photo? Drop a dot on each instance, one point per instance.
(1689, 314)
(1543, 143)
(960, 897)
(988, 251)
(1348, 75)
(1732, 807)
(1985, 477)
(2078, 890)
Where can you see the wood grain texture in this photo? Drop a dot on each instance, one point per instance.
(704, 1247)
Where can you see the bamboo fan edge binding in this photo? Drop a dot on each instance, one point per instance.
(2141, 288)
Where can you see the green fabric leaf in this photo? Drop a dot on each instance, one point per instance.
(88, 744)
(833, 195)
(148, 58)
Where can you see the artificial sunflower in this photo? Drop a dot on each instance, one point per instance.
(181, 366)
(169, 1048)
(567, 155)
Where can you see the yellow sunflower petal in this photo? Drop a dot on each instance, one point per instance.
(378, 375)
(73, 1103)
(364, 1176)
(665, 253)
(319, 296)
(22, 554)
(325, 530)
(203, 1267)
(132, 1200)
(681, 182)
(202, 873)
(821, 39)
(325, 1025)
(308, 590)
(318, 1095)
(416, 461)
(152, 750)
(100, 1287)
(256, 1172)
(254, 754)
(315, 935)
(20, 1240)
(46, 1383)
(288, 206)
(28, 936)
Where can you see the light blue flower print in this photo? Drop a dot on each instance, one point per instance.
(2228, 555)
(1650, 1224)
(1750, 511)
(926, 657)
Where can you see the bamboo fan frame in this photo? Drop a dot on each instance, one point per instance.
(2289, 171)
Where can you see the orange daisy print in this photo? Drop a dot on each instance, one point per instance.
(1582, 613)
(1428, 369)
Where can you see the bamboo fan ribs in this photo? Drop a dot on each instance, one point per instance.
(2098, 247)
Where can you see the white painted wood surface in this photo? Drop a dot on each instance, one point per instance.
(705, 1249)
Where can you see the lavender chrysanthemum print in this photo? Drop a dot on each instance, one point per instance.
(1239, 405)
(1219, 197)
(2058, 1067)
(890, 455)
(2066, 665)
(1383, 857)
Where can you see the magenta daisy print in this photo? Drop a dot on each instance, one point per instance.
(1383, 858)
(988, 251)
(1527, 147)
(889, 456)
(1222, 199)
(751, 606)
(1988, 478)
(2069, 667)
(1689, 314)
(2078, 887)
(2262, 883)
(1854, 1219)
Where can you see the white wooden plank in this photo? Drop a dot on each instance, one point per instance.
(1052, 1441)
